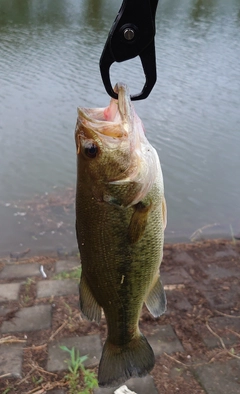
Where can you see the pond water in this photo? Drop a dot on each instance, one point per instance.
(49, 53)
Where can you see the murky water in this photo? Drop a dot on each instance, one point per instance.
(49, 53)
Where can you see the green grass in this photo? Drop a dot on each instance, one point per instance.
(7, 390)
(76, 367)
(75, 273)
(37, 380)
(27, 287)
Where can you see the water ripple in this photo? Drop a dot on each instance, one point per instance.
(49, 66)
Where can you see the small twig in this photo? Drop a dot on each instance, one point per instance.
(36, 347)
(51, 385)
(26, 377)
(221, 341)
(77, 314)
(199, 231)
(214, 357)
(48, 386)
(57, 331)
(5, 375)
(216, 335)
(40, 369)
(177, 361)
(46, 372)
(174, 287)
(189, 365)
(41, 391)
(185, 365)
(11, 339)
(35, 367)
(224, 314)
(234, 332)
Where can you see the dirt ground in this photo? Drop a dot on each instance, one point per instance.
(195, 294)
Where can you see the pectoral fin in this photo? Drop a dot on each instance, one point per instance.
(138, 221)
(88, 305)
(156, 300)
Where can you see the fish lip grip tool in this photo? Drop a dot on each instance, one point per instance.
(132, 34)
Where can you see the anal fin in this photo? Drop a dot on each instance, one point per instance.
(156, 301)
(88, 305)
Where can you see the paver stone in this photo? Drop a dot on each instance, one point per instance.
(179, 276)
(49, 288)
(11, 360)
(88, 345)
(177, 300)
(220, 378)
(221, 299)
(34, 318)
(9, 291)
(20, 271)
(164, 340)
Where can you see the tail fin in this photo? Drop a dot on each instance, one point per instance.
(119, 364)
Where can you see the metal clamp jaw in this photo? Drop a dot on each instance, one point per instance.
(131, 35)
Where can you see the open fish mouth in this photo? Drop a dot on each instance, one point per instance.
(124, 156)
(114, 121)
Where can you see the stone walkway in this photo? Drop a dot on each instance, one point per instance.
(215, 378)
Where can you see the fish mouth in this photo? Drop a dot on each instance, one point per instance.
(114, 121)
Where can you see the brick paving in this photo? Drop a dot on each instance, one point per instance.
(216, 378)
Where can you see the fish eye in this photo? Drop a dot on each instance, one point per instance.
(91, 150)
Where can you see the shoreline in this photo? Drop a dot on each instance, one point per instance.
(46, 223)
(22, 255)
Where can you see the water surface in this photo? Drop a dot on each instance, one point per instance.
(49, 53)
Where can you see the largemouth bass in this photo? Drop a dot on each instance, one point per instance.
(120, 222)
